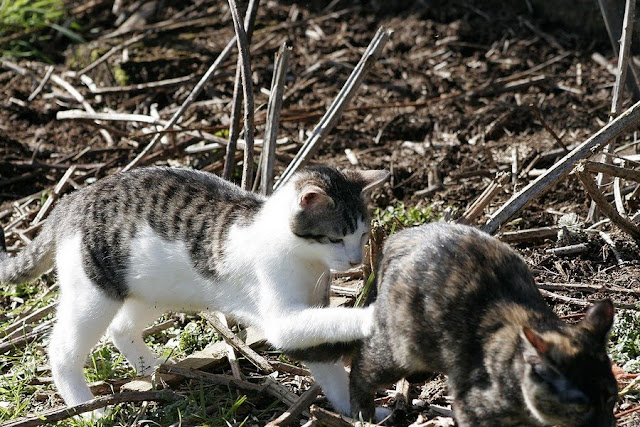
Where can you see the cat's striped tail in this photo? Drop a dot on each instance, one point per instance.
(31, 262)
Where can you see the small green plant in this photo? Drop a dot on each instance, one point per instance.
(624, 346)
(402, 216)
(195, 337)
(106, 362)
(121, 76)
(24, 25)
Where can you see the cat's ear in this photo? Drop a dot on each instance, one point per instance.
(599, 319)
(314, 197)
(534, 343)
(369, 179)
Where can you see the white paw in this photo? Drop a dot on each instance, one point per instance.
(382, 413)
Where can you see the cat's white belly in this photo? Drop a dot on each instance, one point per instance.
(161, 274)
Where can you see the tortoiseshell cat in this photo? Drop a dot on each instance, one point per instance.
(453, 299)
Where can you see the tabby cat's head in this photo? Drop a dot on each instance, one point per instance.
(330, 213)
(568, 379)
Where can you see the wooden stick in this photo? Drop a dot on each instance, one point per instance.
(476, 208)
(328, 418)
(111, 51)
(247, 91)
(159, 327)
(234, 127)
(55, 195)
(303, 403)
(618, 89)
(529, 234)
(79, 98)
(31, 336)
(259, 361)
(192, 97)
(60, 414)
(281, 65)
(80, 114)
(196, 374)
(558, 171)
(562, 298)
(31, 318)
(142, 86)
(597, 196)
(282, 393)
(630, 174)
(231, 354)
(585, 287)
(613, 20)
(291, 369)
(569, 250)
(44, 81)
(337, 107)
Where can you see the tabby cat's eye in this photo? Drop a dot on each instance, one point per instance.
(335, 240)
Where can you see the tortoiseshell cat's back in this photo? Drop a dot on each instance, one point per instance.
(455, 300)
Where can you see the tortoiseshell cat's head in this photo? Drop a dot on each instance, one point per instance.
(568, 378)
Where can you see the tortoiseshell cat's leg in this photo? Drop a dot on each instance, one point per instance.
(370, 370)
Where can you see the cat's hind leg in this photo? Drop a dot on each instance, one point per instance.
(126, 333)
(83, 314)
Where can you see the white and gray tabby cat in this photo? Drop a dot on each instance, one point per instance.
(135, 245)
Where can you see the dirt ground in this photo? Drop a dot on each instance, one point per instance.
(459, 94)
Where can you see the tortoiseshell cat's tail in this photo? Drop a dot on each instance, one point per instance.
(31, 262)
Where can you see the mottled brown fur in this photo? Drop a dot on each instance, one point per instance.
(455, 300)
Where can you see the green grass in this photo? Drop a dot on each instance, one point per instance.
(202, 404)
(624, 346)
(26, 25)
(401, 216)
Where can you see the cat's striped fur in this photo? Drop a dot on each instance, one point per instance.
(140, 243)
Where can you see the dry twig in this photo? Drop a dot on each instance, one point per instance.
(60, 414)
(302, 404)
(336, 109)
(618, 89)
(597, 196)
(558, 171)
(259, 361)
(234, 128)
(268, 157)
(247, 91)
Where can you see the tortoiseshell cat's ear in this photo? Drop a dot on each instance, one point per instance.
(599, 319)
(369, 179)
(312, 197)
(534, 343)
